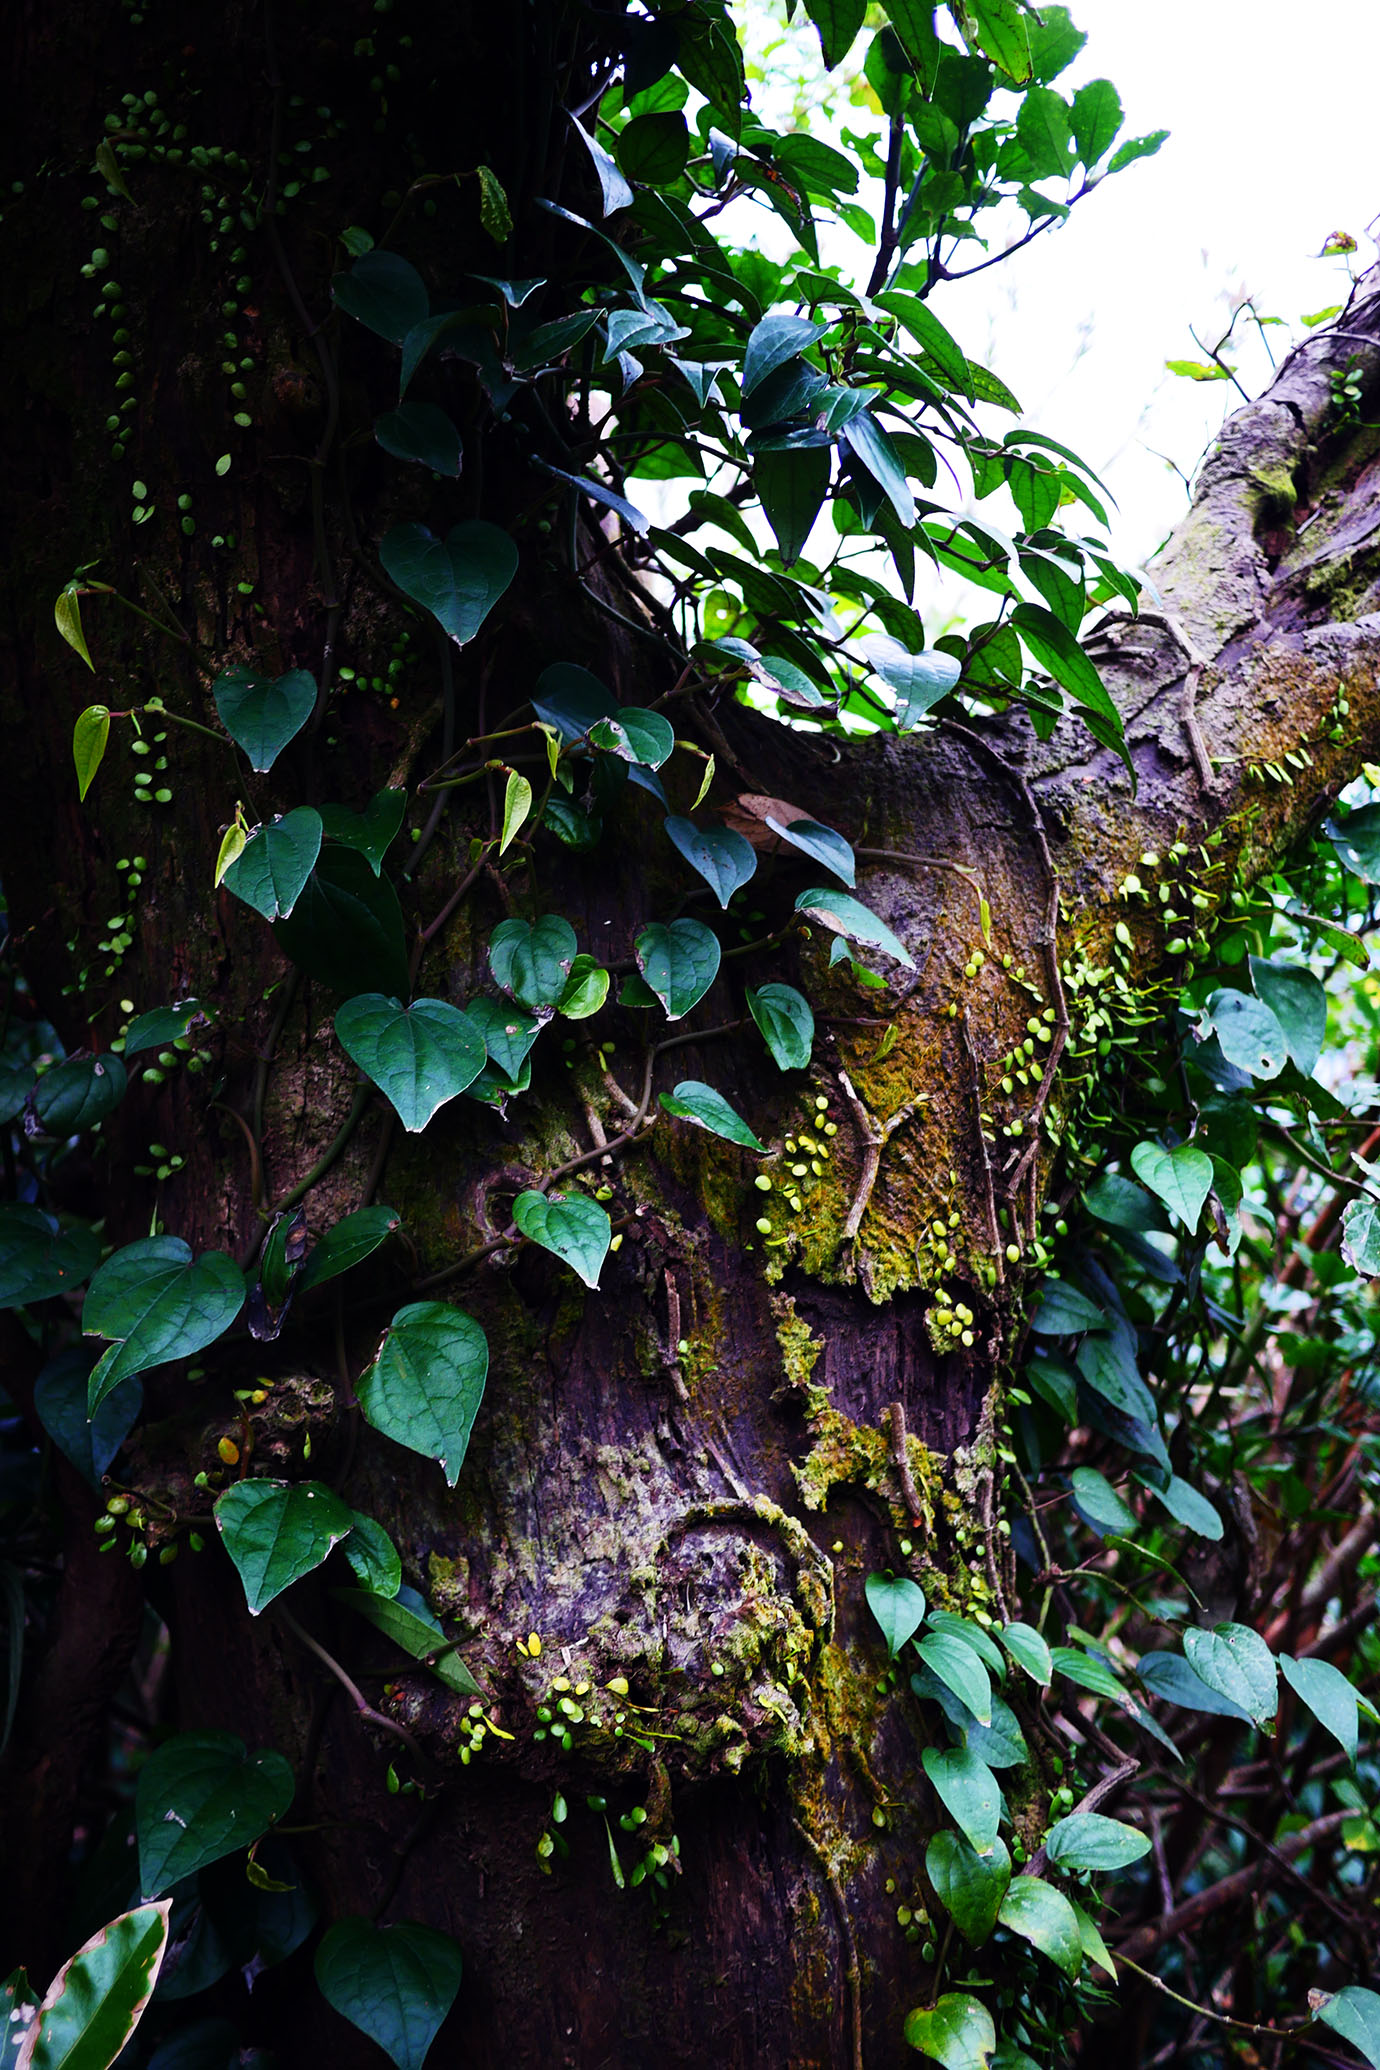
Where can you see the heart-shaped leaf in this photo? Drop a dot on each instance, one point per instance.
(97, 1998)
(1169, 1676)
(791, 486)
(533, 961)
(410, 1622)
(1029, 1651)
(395, 1983)
(679, 963)
(1298, 1002)
(820, 843)
(385, 293)
(569, 698)
(959, 1668)
(89, 737)
(271, 870)
(159, 1303)
(348, 1243)
(1045, 1918)
(957, 2031)
(898, 1604)
(78, 1093)
(374, 1557)
(1250, 1036)
(571, 1226)
(786, 1022)
(420, 431)
(372, 831)
(1328, 1695)
(201, 1796)
(1181, 1178)
(1087, 1840)
(347, 930)
(695, 1101)
(90, 1442)
(427, 1381)
(419, 1056)
(634, 735)
(919, 680)
(508, 1034)
(847, 916)
(724, 859)
(967, 1789)
(277, 1531)
(1236, 1662)
(262, 713)
(458, 579)
(970, 1886)
(586, 990)
(39, 1258)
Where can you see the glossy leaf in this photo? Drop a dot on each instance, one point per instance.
(634, 735)
(458, 579)
(970, 1886)
(347, 928)
(517, 803)
(98, 1997)
(585, 991)
(373, 831)
(958, 1667)
(875, 449)
(348, 1243)
(39, 1258)
(78, 1093)
(777, 338)
(202, 1795)
(1326, 1692)
(974, 1636)
(277, 1531)
(508, 1033)
(67, 618)
(847, 916)
(967, 1789)
(1064, 1311)
(89, 737)
(919, 680)
(263, 713)
(1029, 1651)
(791, 486)
(1044, 1917)
(161, 1026)
(571, 1226)
(679, 963)
(591, 485)
(723, 858)
(1354, 2013)
(426, 1382)
(1236, 1662)
(373, 1557)
(1181, 1178)
(786, 1022)
(1087, 1840)
(410, 1622)
(384, 292)
(695, 1101)
(820, 843)
(158, 1303)
(614, 188)
(270, 872)
(898, 1604)
(1299, 1004)
(533, 961)
(420, 431)
(395, 1983)
(90, 1442)
(956, 2031)
(419, 1056)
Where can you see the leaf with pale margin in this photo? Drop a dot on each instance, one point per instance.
(679, 963)
(956, 2031)
(158, 1303)
(848, 916)
(1087, 1840)
(277, 1531)
(458, 579)
(820, 843)
(395, 1983)
(419, 1056)
(1044, 1917)
(919, 680)
(695, 1101)
(98, 1997)
(263, 713)
(271, 870)
(425, 1385)
(959, 1668)
(1236, 1662)
(1029, 1651)
(1181, 1178)
(967, 1789)
(348, 1243)
(571, 1226)
(373, 1556)
(1299, 1004)
(723, 858)
(970, 1886)
(1327, 1693)
(786, 1022)
(898, 1604)
(1354, 2013)
(200, 1796)
(409, 1621)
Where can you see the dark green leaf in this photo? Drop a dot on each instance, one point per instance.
(679, 963)
(919, 680)
(786, 1022)
(571, 1226)
(90, 1442)
(374, 1557)
(613, 187)
(347, 929)
(958, 1667)
(458, 579)
(1045, 1918)
(277, 1531)
(967, 1789)
(873, 447)
(533, 962)
(634, 735)
(1029, 1651)
(1122, 1204)
(694, 1101)
(161, 1026)
(590, 485)
(820, 843)
(846, 916)
(410, 1622)
(1064, 1311)
(1181, 1178)
(1087, 1840)
(270, 872)
(263, 713)
(724, 859)
(772, 342)
(1236, 1662)
(420, 431)
(791, 486)
(970, 1886)
(1299, 1004)
(508, 1034)
(956, 2031)
(395, 1983)
(78, 1093)
(200, 1796)
(98, 1996)
(1107, 1362)
(158, 1303)
(934, 340)
(384, 292)
(348, 1243)
(653, 147)
(1099, 1503)
(39, 1258)
(1327, 1693)
(569, 698)
(427, 1381)
(372, 831)
(1055, 649)
(898, 1604)
(419, 1056)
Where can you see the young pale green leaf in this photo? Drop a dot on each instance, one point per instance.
(89, 737)
(898, 1604)
(1094, 1947)
(458, 579)
(39, 1258)
(1044, 1917)
(786, 1022)
(1099, 1503)
(517, 803)
(723, 858)
(585, 991)
(1087, 1840)
(158, 1303)
(1029, 1651)
(1327, 1693)
(1096, 112)
(230, 850)
(1250, 1036)
(277, 1531)
(420, 431)
(777, 338)
(409, 1621)
(1236, 1662)
(571, 1226)
(383, 292)
(200, 1796)
(848, 916)
(919, 680)
(1361, 1236)
(427, 1381)
(371, 832)
(508, 1034)
(679, 963)
(791, 486)
(1064, 1311)
(957, 2031)
(1354, 2013)
(98, 1997)
(967, 1789)
(1181, 1178)
(865, 438)
(634, 735)
(1003, 32)
(532, 962)
(78, 1093)
(1188, 1507)
(958, 1667)
(348, 1243)
(419, 1056)
(1299, 1004)
(263, 713)
(271, 870)
(695, 1101)
(970, 1886)
(820, 843)
(395, 1983)
(374, 1557)
(67, 617)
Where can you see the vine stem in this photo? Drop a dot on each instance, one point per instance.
(354, 1692)
(1205, 2012)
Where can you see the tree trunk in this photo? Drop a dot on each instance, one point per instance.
(680, 1482)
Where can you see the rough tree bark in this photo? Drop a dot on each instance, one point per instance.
(683, 1479)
